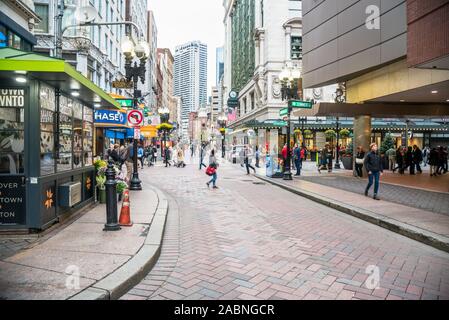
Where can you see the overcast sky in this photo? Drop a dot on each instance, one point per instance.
(180, 21)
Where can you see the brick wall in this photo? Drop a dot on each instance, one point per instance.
(428, 30)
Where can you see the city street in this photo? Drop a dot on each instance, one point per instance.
(252, 240)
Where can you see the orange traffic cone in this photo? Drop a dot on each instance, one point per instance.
(125, 213)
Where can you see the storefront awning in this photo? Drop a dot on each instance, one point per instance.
(375, 109)
(56, 72)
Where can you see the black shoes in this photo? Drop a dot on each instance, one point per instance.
(376, 197)
(366, 193)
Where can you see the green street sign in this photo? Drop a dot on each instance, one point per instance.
(125, 102)
(283, 112)
(280, 123)
(300, 104)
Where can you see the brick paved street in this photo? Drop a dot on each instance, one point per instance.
(427, 200)
(250, 240)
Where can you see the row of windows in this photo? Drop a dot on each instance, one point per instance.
(9, 39)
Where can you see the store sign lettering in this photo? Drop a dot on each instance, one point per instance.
(12, 200)
(110, 117)
(12, 98)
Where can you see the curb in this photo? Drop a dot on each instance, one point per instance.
(116, 284)
(424, 236)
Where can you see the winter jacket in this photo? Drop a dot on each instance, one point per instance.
(373, 162)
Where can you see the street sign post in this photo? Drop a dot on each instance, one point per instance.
(127, 103)
(135, 118)
(283, 112)
(298, 104)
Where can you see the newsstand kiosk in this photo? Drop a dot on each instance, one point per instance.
(46, 139)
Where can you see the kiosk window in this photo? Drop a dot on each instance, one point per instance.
(88, 136)
(48, 106)
(12, 138)
(64, 161)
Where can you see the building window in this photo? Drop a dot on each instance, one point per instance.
(296, 48)
(3, 37)
(42, 11)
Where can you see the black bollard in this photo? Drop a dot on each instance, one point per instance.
(111, 200)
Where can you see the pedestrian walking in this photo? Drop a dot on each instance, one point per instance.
(409, 161)
(297, 159)
(433, 162)
(442, 160)
(247, 159)
(417, 158)
(359, 159)
(140, 154)
(373, 165)
(212, 170)
(399, 160)
(257, 157)
(425, 154)
(115, 154)
(181, 163)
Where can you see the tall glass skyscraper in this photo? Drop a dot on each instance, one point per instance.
(190, 78)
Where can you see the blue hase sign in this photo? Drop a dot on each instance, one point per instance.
(110, 117)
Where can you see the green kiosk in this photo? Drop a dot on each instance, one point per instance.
(46, 139)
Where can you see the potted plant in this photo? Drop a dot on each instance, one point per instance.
(121, 187)
(101, 180)
(100, 168)
(347, 157)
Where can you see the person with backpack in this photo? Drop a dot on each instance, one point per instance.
(212, 170)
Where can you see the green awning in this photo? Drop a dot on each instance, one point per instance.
(56, 72)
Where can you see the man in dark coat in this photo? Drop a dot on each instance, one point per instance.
(373, 165)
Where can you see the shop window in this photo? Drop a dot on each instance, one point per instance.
(47, 142)
(3, 37)
(12, 140)
(42, 11)
(88, 136)
(64, 161)
(77, 135)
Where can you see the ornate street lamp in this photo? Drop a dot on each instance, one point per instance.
(222, 119)
(164, 114)
(289, 78)
(134, 73)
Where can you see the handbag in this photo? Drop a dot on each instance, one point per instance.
(210, 171)
(359, 161)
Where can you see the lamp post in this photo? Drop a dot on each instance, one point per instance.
(164, 113)
(289, 78)
(134, 73)
(222, 122)
(337, 161)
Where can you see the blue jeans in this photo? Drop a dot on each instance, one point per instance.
(214, 179)
(373, 176)
(298, 165)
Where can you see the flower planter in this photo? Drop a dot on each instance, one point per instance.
(102, 195)
(347, 163)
